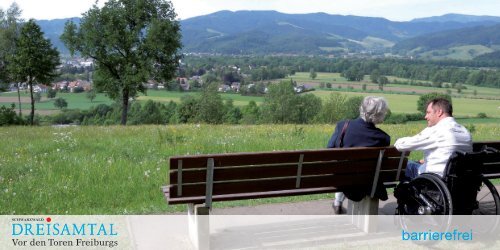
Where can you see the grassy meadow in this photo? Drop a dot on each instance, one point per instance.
(119, 170)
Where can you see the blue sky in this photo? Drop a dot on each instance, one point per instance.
(396, 10)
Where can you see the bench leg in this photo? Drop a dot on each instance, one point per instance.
(199, 226)
(363, 213)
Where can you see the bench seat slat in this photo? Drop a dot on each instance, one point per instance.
(268, 185)
(254, 195)
(491, 169)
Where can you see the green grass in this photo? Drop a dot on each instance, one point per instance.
(75, 101)
(167, 96)
(80, 101)
(119, 170)
(399, 103)
(335, 79)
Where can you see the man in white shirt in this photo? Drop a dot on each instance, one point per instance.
(439, 140)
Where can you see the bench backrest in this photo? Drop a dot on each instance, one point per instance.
(478, 146)
(236, 176)
(490, 163)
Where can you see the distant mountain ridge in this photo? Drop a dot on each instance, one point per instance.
(272, 32)
(484, 35)
(53, 30)
(461, 18)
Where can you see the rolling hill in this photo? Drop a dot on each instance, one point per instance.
(485, 39)
(247, 32)
(271, 32)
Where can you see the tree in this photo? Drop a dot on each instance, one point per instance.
(60, 103)
(353, 74)
(91, 95)
(10, 28)
(51, 93)
(8, 116)
(333, 109)
(131, 42)
(307, 106)
(374, 76)
(232, 114)
(312, 74)
(35, 60)
(37, 96)
(278, 103)
(424, 99)
(187, 110)
(382, 80)
(250, 113)
(210, 106)
(351, 110)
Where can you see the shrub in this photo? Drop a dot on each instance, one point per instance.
(60, 103)
(396, 119)
(471, 128)
(414, 117)
(68, 117)
(51, 93)
(422, 101)
(9, 117)
(482, 115)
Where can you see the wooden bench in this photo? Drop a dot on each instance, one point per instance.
(203, 179)
(200, 180)
(490, 170)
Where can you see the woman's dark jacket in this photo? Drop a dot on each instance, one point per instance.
(360, 134)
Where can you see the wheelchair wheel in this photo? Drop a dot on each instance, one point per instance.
(426, 195)
(487, 199)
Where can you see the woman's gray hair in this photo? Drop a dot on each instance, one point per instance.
(373, 109)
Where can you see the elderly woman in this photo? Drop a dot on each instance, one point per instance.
(360, 132)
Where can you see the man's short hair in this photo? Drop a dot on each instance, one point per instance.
(443, 104)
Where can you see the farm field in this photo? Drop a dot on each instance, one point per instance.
(119, 170)
(75, 100)
(401, 99)
(335, 79)
(399, 103)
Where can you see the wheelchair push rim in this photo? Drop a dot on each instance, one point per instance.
(428, 195)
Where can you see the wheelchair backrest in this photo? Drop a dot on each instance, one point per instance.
(474, 164)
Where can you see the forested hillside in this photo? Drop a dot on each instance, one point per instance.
(482, 35)
(271, 32)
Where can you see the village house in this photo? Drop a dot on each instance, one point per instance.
(183, 83)
(224, 88)
(235, 86)
(83, 85)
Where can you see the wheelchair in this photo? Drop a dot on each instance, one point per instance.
(465, 188)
